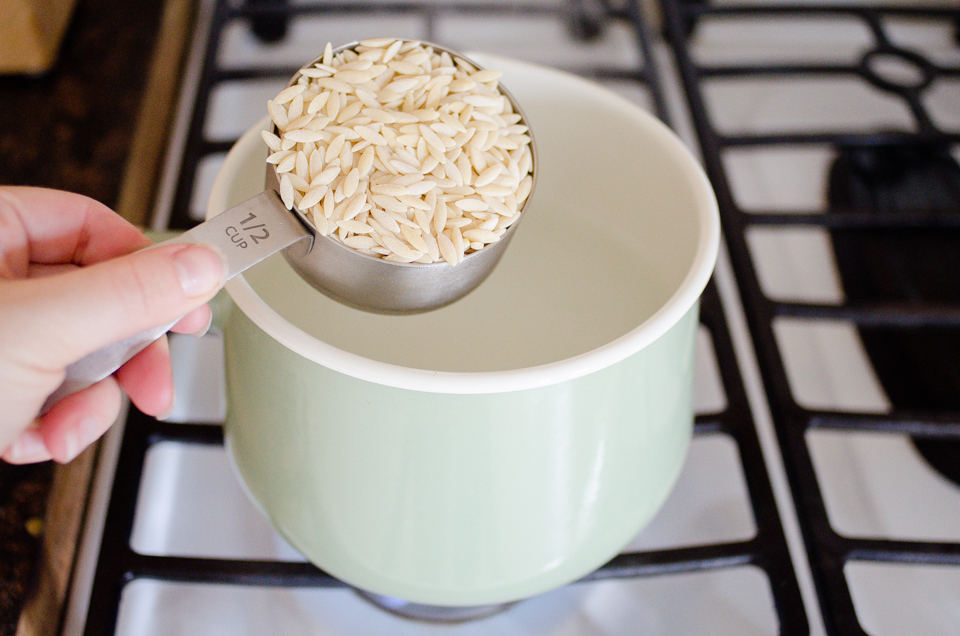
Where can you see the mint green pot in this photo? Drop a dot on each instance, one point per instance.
(518, 439)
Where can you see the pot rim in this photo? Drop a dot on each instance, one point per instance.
(336, 359)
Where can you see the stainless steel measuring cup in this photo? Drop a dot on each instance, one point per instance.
(262, 226)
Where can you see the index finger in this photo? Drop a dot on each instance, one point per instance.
(50, 226)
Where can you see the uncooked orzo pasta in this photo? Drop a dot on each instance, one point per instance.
(401, 151)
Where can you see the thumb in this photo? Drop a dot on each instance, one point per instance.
(88, 308)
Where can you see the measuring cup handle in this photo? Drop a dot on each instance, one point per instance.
(245, 234)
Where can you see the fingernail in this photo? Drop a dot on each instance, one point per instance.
(199, 333)
(200, 270)
(27, 448)
(71, 444)
(173, 403)
(78, 438)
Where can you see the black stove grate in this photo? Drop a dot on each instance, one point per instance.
(118, 564)
(860, 211)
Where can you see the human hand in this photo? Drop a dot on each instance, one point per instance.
(72, 282)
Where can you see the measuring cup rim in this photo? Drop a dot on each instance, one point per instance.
(305, 218)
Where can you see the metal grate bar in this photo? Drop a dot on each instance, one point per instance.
(697, 10)
(820, 138)
(865, 314)
(932, 219)
(261, 573)
(915, 424)
(674, 561)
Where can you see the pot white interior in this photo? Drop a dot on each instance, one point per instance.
(618, 243)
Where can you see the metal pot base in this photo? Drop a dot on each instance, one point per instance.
(432, 613)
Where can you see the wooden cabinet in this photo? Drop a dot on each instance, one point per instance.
(31, 33)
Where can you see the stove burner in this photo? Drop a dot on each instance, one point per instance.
(432, 613)
(918, 367)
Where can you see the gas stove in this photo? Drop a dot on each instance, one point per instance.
(806, 505)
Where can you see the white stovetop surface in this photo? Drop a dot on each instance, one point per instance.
(875, 484)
